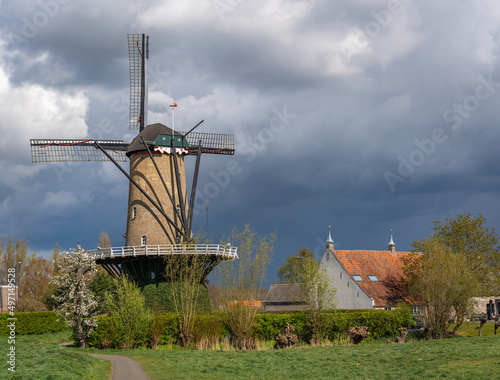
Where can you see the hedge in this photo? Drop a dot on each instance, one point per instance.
(335, 324)
(382, 324)
(37, 322)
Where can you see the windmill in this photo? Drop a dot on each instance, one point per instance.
(160, 216)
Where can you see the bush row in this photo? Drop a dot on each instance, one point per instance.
(335, 324)
(164, 329)
(37, 322)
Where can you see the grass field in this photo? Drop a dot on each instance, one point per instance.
(41, 357)
(461, 358)
(471, 329)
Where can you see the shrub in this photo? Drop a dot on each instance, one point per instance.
(158, 297)
(381, 324)
(211, 328)
(164, 329)
(104, 335)
(38, 322)
(267, 326)
(131, 320)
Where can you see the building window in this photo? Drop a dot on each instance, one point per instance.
(357, 277)
(373, 278)
(417, 310)
(143, 240)
(152, 276)
(134, 212)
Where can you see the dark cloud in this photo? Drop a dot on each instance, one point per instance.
(386, 116)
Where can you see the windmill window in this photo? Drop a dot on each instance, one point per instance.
(341, 275)
(347, 283)
(373, 278)
(143, 240)
(358, 294)
(357, 277)
(134, 212)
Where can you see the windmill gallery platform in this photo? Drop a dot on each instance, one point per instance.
(148, 261)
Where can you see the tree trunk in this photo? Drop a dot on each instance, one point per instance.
(483, 321)
(460, 321)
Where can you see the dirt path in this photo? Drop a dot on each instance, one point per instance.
(124, 368)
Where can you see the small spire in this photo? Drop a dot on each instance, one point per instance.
(392, 246)
(329, 241)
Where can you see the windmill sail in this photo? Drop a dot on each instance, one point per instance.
(138, 52)
(76, 150)
(214, 143)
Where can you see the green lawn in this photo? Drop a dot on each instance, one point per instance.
(459, 358)
(472, 329)
(41, 357)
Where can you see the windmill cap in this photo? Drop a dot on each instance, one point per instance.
(150, 133)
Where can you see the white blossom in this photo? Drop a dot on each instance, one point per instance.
(77, 303)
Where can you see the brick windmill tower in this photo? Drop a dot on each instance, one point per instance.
(160, 216)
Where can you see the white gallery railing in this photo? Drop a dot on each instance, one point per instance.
(225, 251)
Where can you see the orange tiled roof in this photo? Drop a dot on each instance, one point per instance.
(378, 263)
(256, 303)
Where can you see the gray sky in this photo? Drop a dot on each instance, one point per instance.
(364, 115)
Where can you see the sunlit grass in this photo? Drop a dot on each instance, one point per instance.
(472, 329)
(41, 357)
(458, 358)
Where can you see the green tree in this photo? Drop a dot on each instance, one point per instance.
(442, 282)
(131, 318)
(51, 289)
(102, 283)
(292, 270)
(315, 288)
(468, 236)
(240, 281)
(458, 261)
(77, 304)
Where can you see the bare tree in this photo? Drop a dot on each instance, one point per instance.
(37, 274)
(13, 255)
(186, 273)
(240, 281)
